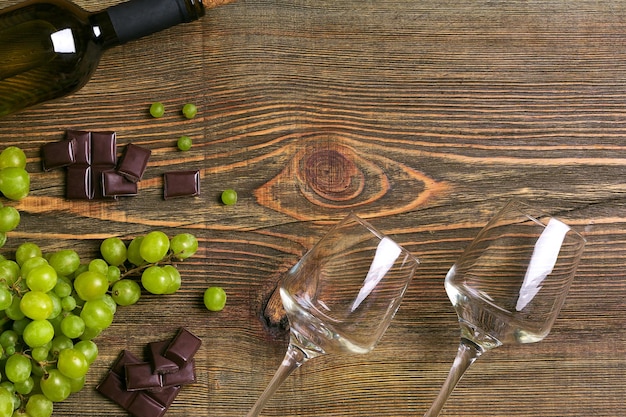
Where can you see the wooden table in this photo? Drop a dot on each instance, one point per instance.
(424, 117)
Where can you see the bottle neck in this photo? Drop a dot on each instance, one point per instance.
(134, 19)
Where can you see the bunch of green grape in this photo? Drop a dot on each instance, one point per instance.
(53, 306)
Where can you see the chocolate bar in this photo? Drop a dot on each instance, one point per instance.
(134, 162)
(181, 184)
(183, 347)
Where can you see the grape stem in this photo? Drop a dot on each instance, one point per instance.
(168, 260)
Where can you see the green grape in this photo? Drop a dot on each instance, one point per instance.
(91, 285)
(229, 197)
(55, 386)
(214, 298)
(98, 265)
(38, 333)
(12, 156)
(154, 246)
(176, 280)
(97, 315)
(65, 262)
(63, 288)
(13, 311)
(9, 218)
(157, 109)
(60, 343)
(110, 302)
(6, 403)
(9, 271)
(40, 353)
(9, 338)
(126, 292)
(25, 387)
(57, 308)
(89, 349)
(26, 251)
(36, 305)
(77, 384)
(184, 245)
(190, 110)
(14, 183)
(30, 264)
(113, 274)
(113, 251)
(133, 254)
(17, 368)
(6, 298)
(81, 268)
(72, 326)
(68, 303)
(39, 406)
(42, 277)
(19, 325)
(89, 334)
(72, 363)
(156, 280)
(184, 143)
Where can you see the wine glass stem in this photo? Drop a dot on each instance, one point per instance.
(466, 355)
(294, 358)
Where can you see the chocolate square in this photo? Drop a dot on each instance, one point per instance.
(185, 375)
(114, 388)
(97, 172)
(160, 364)
(103, 149)
(134, 162)
(114, 185)
(82, 146)
(166, 396)
(145, 406)
(78, 183)
(183, 347)
(57, 154)
(181, 184)
(125, 357)
(139, 376)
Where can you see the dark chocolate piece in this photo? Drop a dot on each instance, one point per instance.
(185, 375)
(125, 357)
(160, 364)
(114, 388)
(115, 185)
(144, 405)
(82, 146)
(78, 183)
(183, 347)
(139, 376)
(57, 154)
(134, 162)
(181, 184)
(165, 396)
(103, 149)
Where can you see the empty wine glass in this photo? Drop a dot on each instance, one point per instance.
(509, 284)
(341, 296)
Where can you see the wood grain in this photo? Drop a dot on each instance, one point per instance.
(424, 117)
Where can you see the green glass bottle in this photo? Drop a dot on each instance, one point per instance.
(50, 48)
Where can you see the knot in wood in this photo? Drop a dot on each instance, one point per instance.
(332, 175)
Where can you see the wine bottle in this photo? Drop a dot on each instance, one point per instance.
(50, 48)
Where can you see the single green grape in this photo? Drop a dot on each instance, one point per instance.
(68, 303)
(156, 280)
(9, 271)
(157, 109)
(17, 367)
(229, 197)
(6, 298)
(214, 298)
(113, 274)
(133, 254)
(89, 349)
(60, 343)
(154, 246)
(98, 265)
(40, 353)
(113, 251)
(184, 143)
(12, 156)
(190, 110)
(91, 285)
(65, 261)
(14, 312)
(39, 406)
(57, 308)
(26, 251)
(63, 287)
(25, 387)
(97, 315)
(72, 363)
(72, 326)
(176, 279)
(55, 386)
(77, 384)
(38, 333)
(126, 292)
(6, 403)
(9, 338)
(42, 277)
(9, 218)
(36, 305)
(14, 183)
(183, 245)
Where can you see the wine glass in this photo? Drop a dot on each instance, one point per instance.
(509, 284)
(341, 296)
